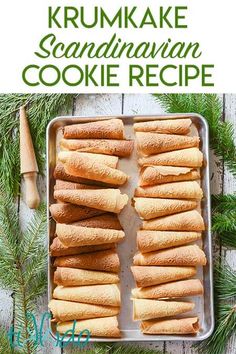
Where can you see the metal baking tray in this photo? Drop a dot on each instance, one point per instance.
(131, 222)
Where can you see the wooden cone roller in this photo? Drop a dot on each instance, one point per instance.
(29, 167)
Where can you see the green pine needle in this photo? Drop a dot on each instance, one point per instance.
(227, 239)
(23, 258)
(115, 349)
(5, 347)
(128, 349)
(210, 107)
(225, 281)
(225, 314)
(97, 348)
(225, 222)
(225, 328)
(224, 225)
(223, 203)
(40, 108)
(223, 219)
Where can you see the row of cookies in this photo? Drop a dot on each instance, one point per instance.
(87, 227)
(167, 200)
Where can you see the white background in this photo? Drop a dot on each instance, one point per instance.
(23, 24)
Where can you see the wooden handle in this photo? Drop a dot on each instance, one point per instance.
(27, 154)
(31, 191)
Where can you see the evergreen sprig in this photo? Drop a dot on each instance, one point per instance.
(5, 347)
(225, 281)
(224, 222)
(41, 108)
(115, 349)
(224, 219)
(128, 349)
(23, 258)
(225, 313)
(223, 203)
(210, 107)
(225, 328)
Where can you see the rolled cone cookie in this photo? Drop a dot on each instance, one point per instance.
(57, 249)
(60, 184)
(149, 240)
(148, 276)
(176, 289)
(153, 143)
(191, 157)
(179, 256)
(107, 261)
(72, 235)
(171, 326)
(79, 277)
(186, 221)
(110, 161)
(145, 309)
(177, 190)
(106, 294)
(104, 221)
(86, 167)
(150, 208)
(103, 199)
(104, 129)
(166, 126)
(66, 213)
(60, 173)
(152, 175)
(98, 327)
(66, 310)
(120, 148)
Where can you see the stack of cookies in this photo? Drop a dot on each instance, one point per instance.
(168, 201)
(87, 228)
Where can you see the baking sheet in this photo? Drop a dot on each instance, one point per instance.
(131, 222)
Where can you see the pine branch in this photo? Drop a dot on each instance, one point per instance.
(128, 349)
(22, 271)
(30, 242)
(116, 349)
(97, 348)
(224, 225)
(223, 203)
(225, 314)
(210, 107)
(41, 108)
(227, 239)
(4, 343)
(225, 328)
(5, 347)
(225, 281)
(224, 222)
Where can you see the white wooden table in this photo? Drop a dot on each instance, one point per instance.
(221, 181)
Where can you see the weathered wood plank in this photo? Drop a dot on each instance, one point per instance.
(230, 187)
(141, 104)
(136, 104)
(6, 308)
(102, 104)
